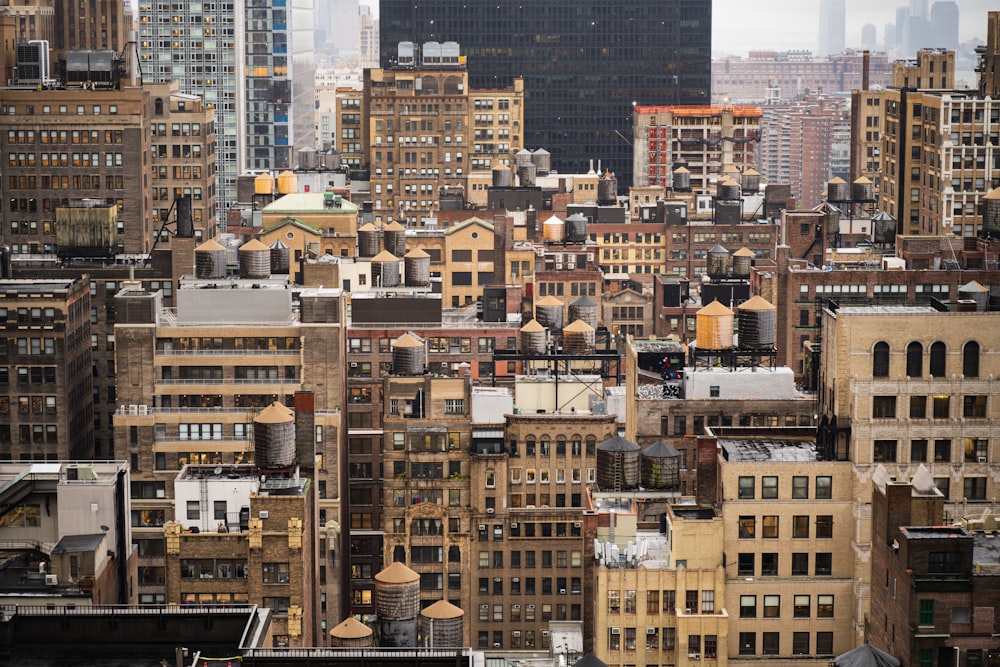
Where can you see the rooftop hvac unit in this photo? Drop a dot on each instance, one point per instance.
(52, 580)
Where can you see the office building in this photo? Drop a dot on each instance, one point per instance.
(423, 128)
(832, 26)
(702, 139)
(46, 409)
(93, 26)
(197, 378)
(944, 18)
(568, 51)
(256, 73)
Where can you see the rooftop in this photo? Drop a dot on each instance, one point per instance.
(744, 451)
(32, 286)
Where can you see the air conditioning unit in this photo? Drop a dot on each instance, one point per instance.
(496, 644)
(590, 257)
(482, 526)
(981, 459)
(517, 633)
(354, 364)
(616, 631)
(559, 266)
(515, 606)
(52, 580)
(490, 510)
(444, 364)
(263, 514)
(694, 656)
(513, 524)
(562, 591)
(576, 524)
(650, 631)
(531, 606)
(545, 633)
(570, 265)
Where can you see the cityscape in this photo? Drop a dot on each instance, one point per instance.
(499, 334)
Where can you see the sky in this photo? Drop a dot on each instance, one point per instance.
(742, 25)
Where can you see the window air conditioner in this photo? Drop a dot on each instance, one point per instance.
(616, 631)
(650, 631)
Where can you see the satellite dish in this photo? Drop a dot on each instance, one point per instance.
(218, 471)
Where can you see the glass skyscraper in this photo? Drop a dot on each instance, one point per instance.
(585, 63)
(253, 60)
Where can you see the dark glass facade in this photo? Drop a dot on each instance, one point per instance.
(584, 63)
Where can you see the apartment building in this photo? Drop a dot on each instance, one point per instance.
(703, 139)
(788, 75)
(787, 529)
(427, 129)
(93, 143)
(669, 605)
(934, 586)
(905, 386)
(46, 407)
(267, 557)
(197, 377)
(182, 130)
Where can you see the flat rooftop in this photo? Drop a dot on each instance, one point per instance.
(886, 310)
(752, 450)
(31, 286)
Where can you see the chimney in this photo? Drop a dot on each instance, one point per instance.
(865, 62)
(305, 429)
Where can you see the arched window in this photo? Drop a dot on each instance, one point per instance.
(158, 106)
(880, 360)
(914, 360)
(970, 359)
(938, 360)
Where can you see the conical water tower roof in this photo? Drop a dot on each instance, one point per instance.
(660, 450)
(532, 327)
(744, 252)
(397, 573)
(416, 253)
(756, 302)
(407, 340)
(210, 246)
(395, 227)
(617, 443)
(714, 308)
(577, 326)
(351, 628)
(385, 256)
(253, 244)
(442, 609)
(276, 413)
(584, 301)
(549, 301)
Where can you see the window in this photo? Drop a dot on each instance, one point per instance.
(769, 487)
(711, 646)
(974, 407)
(824, 487)
(885, 451)
(746, 488)
(747, 527)
(708, 602)
(970, 360)
(975, 488)
(942, 407)
(918, 407)
(193, 510)
(824, 564)
(824, 526)
(275, 573)
(800, 488)
(938, 353)
(748, 606)
(769, 527)
(824, 606)
(769, 565)
(880, 360)
(772, 606)
(824, 643)
(800, 526)
(942, 451)
(800, 562)
(914, 359)
(745, 564)
(800, 643)
(748, 643)
(926, 616)
(770, 643)
(883, 407)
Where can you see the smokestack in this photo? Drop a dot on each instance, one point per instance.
(865, 62)
(185, 223)
(305, 429)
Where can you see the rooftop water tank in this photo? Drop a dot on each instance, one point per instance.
(287, 182)
(578, 338)
(714, 325)
(973, 291)
(280, 259)
(441, 625)
(554, 230)
(660, 466)
(742, 262)
(750, 180)
(607, 189)
(533, 338)
(718, 262)
(210, 260)
(727, 189)
(274, 437)
(991, 214)
(255, 260)
(352, 633)
(395, 238)
(862, 189)
(308, 158)
(576, 228)
(757, 324)
(263, 184)
(522, 158)
(368, 240)
(682, 179)
(501, 176)
(409, 356)
(385, 269)
(617, 464)
(397, 605)
(836, 189)
(549, 313)
(584, 309)
(417, 268)
(542, 161)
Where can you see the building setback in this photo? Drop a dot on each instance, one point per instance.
(646, 52)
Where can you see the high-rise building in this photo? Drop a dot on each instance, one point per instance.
(832, 26)
(989, 59)
(944, 18)
(253, 61)
(584, 63)
(368, 38)
(90, 26)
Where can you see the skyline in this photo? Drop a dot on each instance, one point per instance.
(730, 19)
